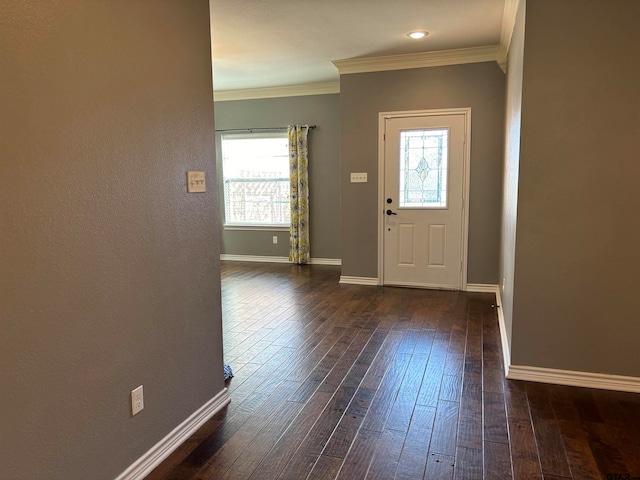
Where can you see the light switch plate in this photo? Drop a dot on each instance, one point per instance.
(359, 177)
(196, 182)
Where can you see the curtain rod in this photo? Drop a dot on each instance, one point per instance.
(259, 129)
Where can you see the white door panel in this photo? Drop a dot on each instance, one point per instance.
(424, 187)
(437, 246)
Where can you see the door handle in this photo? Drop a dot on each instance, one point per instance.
(389, 212)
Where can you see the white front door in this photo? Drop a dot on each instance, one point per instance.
(424, 187)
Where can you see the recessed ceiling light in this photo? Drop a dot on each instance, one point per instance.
(417, 34)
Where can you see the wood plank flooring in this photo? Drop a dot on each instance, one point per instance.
(358, 382)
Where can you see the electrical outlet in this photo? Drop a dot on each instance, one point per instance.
(359, 177)
(137, 400)
(275, 239)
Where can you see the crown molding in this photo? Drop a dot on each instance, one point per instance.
(490, 53)
(322, 88)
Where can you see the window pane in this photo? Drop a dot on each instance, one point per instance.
(256, 179)
(423, 168)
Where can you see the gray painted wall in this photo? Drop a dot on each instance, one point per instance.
(324, 170)
(576, 260)
(362, 96)
(109, 274)
(512, 163)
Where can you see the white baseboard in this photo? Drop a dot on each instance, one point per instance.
(273, 259)
(550, 375)
(165, 447)
(575, 379)
(481, 287)
(426, 286)
(358, 280)
(495, 289)
(506, 347)
(326, 261)
(253, 258)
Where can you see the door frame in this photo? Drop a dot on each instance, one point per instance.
(382, 117)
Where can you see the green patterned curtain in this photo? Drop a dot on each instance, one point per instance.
(299, 176)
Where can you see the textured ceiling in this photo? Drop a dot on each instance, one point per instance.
(272, 43)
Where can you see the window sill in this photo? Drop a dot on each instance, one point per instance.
(266, 228)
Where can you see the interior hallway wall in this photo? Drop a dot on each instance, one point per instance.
(480, 86)
(109, 274)
(324, 170)
(575, 303)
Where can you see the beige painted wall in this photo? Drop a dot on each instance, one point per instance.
(576, 258)
(324, 170)
(362, 96)
(513, 115)
(109, 272)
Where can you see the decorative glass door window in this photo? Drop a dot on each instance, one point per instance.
(423, 168)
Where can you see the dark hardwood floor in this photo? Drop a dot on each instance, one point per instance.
(353, 382)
